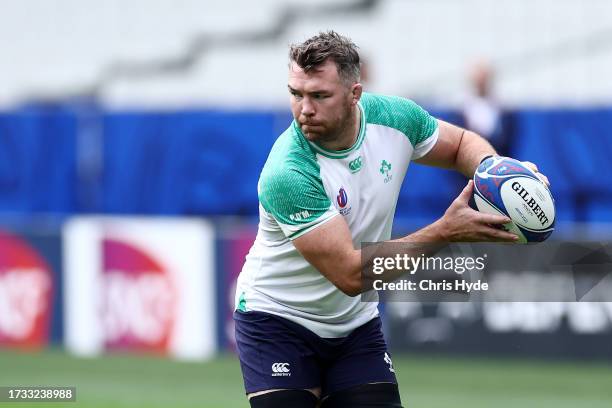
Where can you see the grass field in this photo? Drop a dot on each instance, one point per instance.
(128, 381)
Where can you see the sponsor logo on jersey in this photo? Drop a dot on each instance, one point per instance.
(388, 361)
(342, 200)
(385, 168)
(281, 370)
(355, 165)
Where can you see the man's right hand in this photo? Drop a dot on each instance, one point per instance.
(329, 247)
(464, 224)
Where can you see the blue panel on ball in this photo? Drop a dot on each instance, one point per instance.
(490, 195)
(484, 165)
(536, 236)
(489, 189)
(508, 166)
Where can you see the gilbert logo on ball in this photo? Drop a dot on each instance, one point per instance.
(505, 186)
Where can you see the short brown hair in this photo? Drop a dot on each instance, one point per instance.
(328, 45)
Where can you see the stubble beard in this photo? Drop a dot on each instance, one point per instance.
(332, 134)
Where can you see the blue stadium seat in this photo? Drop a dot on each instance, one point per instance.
(572, 148)
(185, 163)
(38, 155)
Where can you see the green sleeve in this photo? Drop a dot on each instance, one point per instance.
(291, 191)
(401, 114)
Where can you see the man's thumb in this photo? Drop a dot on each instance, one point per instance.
(467, 192)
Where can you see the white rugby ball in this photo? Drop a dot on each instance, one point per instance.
(506, 186)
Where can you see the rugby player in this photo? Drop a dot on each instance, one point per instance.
(331, 182)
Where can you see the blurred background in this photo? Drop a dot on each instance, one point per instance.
(132, 135)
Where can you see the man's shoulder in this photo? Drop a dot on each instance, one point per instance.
(290, 152)
(399, 113)
(384, 109)
(290, 168)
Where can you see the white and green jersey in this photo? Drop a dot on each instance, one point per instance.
(303, 185)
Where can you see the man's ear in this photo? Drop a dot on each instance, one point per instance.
(356, 91)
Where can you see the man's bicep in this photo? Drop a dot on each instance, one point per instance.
(329, 248)
(444, 152)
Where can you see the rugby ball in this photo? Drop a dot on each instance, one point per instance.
(506, 186)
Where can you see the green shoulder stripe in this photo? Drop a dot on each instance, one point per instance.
(401, 114)
(290, 186)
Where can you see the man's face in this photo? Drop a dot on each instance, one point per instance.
(320, 102)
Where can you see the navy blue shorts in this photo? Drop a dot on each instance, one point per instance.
(277, 353)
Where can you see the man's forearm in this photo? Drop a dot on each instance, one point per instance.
(424, 242)
(471, 151)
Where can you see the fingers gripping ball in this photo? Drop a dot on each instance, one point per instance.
(506, 186)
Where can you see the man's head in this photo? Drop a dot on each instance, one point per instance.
(324, 85)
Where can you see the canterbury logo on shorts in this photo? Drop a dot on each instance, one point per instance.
(280, 370)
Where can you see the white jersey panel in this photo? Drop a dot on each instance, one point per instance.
(370, 194)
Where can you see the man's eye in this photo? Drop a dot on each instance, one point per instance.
(319, 96)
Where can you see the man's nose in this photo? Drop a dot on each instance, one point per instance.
(307, 108)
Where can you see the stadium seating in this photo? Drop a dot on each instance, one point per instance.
(38, 161)
(207, 162)
(195, 53)
(573, 149)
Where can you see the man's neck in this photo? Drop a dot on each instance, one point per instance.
(349, 134)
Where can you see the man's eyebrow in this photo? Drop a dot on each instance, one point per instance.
(319, 91)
